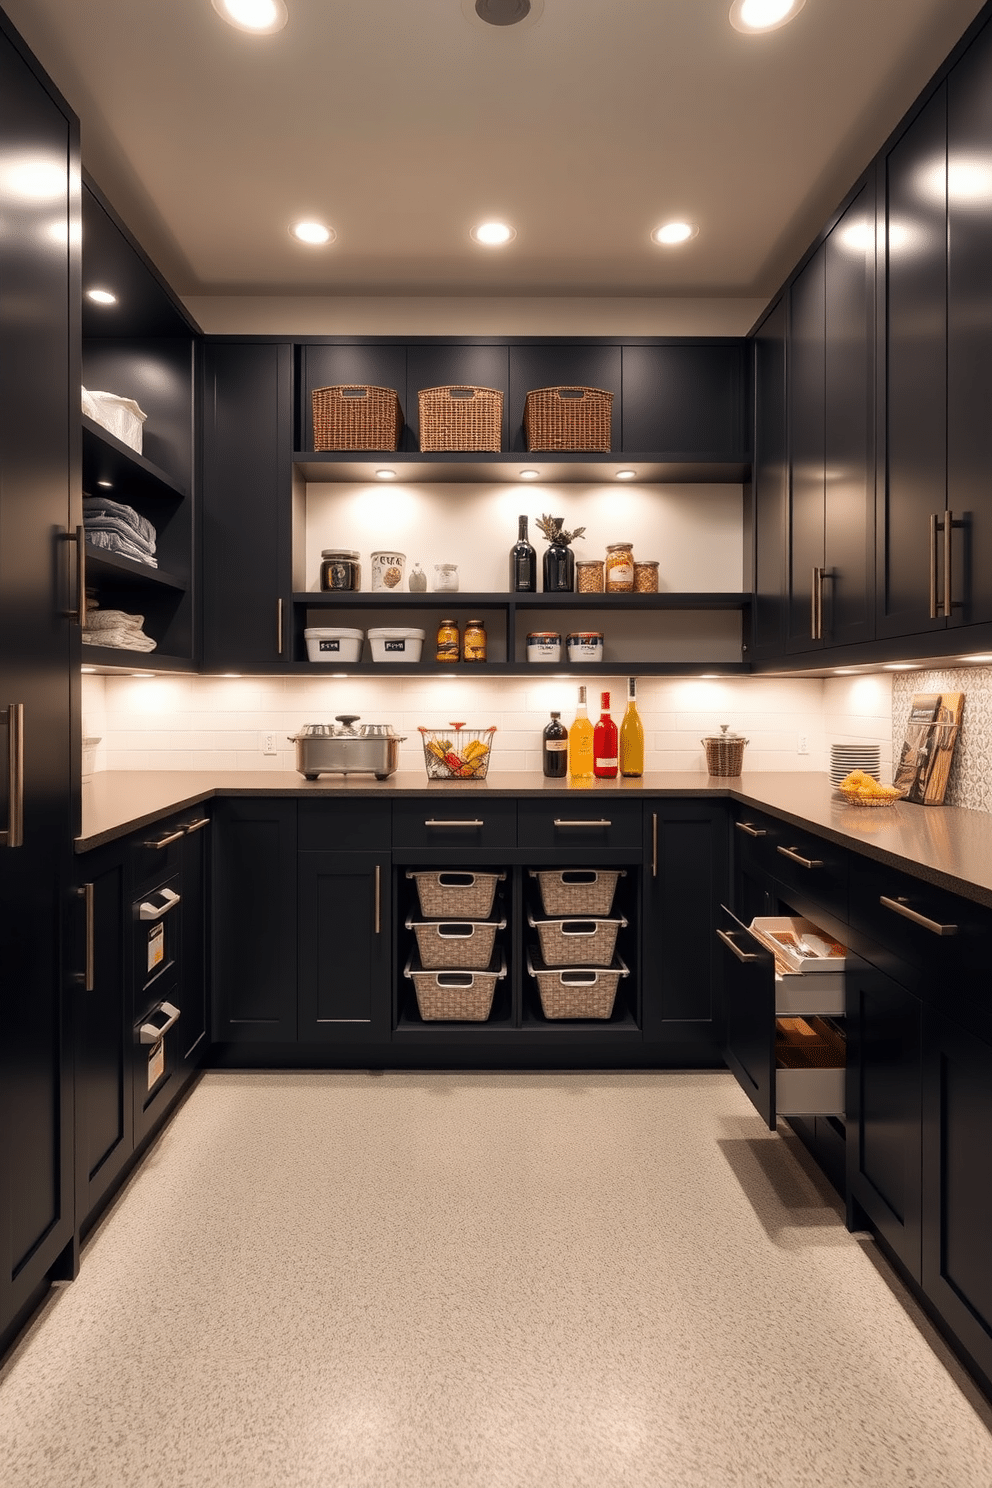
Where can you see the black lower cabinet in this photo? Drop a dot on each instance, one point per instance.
(957, 1180)
(345, 947)
(884, 1147)
(748, 1021)
(254, 942)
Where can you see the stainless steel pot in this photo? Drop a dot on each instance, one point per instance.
(323, 749)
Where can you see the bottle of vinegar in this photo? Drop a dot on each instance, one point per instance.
(631, 735)
(580, 736)
(556, 749)
(606, 760)
(523, 562)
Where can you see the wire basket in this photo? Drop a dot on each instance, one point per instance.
(568, 418)
(859, 796)
(356, 416)
(461, 418)
(457, 752)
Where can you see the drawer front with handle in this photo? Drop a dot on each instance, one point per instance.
(812, 867)
(455, 821)
(586, 823)
(927, 938)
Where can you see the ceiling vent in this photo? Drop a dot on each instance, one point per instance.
(502, 12)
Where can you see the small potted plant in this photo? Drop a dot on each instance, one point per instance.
(559, 560)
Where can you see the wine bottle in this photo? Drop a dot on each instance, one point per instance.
(523, 562)
(556, 749)
(631, 735)
(580, 752)
(605, 756)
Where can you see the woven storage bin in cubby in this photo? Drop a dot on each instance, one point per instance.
(461, 418)
(577, 942)
(577, 991)
(456, 894)
(356, 416)
(455, 996)
(455, 945)
(577, 891)
(568, 418)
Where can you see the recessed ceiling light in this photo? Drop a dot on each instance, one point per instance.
(312, 232)
(493, 234)
(529, 474)
(260, 16)
(674, 232)
(626, 474)
(385, 475)
(101, 297)
(107, 485)
(763, 15)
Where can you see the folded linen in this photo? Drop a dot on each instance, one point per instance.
(116, 542)
(133, 524)
(119, 640)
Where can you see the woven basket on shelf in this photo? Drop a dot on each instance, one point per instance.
(577, 942)
(461, 418)
(459, 996)
(455, 945)
(568, 418)
(456, 893)
(578, 992)
(577, 891)
(356, 416)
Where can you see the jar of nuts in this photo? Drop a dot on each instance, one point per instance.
(646, 576)
(589, 575)
(620, 568)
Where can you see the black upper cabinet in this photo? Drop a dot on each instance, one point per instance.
(969, 333)
(684, 399)
(807, 366)
(770, 484)
(913, 495)
(561, 364)
(247, 457)
(373, 364)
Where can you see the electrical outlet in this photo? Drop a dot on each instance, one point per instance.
(268, 744)
(802, 744)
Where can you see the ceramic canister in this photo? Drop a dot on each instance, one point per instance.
(585, 645)
(387, 571)
(544, 645)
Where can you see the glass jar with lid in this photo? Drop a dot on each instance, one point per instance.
(620, 568)
(340, 568)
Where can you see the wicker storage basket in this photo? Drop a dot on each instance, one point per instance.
(461, 418)
(577, 891)
(454, 894)
(455, 945)
(568, 418)
(578, 991)
(585, 942)
(456, 996)
(724, 753)
(355, 416)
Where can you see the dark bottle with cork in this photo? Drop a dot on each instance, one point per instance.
(523, 562)
(556, 749)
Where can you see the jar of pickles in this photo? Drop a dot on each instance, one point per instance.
(448, 641)
(620, 568)
(474, 641)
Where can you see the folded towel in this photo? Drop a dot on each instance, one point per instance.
(114, 620)
(119, 640)
(116, 542)
(102, 506)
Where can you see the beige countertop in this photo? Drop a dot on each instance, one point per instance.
(946, 845)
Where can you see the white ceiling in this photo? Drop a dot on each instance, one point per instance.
(402, 123)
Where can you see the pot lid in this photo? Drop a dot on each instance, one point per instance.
(726, 732)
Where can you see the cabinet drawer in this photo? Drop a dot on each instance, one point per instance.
(929, 937)
(587, 823)
(156, 851)
(469, 822)
(339, 825)
(814, 868)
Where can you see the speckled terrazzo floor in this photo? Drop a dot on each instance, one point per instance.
(481, 1281)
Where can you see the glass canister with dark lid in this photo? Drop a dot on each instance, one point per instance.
(340, 569)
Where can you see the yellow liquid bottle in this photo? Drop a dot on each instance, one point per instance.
(580, 751)
(631, 735)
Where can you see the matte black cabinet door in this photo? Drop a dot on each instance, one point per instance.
(687, 879)
(194, 1024)
(969, 332)
(913, 492)
(747, 977)
(345, 947)
(451, 365)
(247, 455)
(684, 400)
(884, 1131)
(770, 485)
(378, 365)
(561, 365)
(957, 1182)
(254, 921)
(807, 372)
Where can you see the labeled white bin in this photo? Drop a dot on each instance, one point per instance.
(332, 643)
(396, 643)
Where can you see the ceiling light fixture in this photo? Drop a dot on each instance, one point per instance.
(901, 666)
(107, 485)
(751, 16)
(314, 233)
(261, 17)
(101, 297)
(529, 474)
(671, 233)
(493, 234)
(626, 474)
(385, 475)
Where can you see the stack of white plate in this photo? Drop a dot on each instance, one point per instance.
(847, 757)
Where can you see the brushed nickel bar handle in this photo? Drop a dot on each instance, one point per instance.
(747, 828)
(378, 899)
(900, 907)
(166, 841)
(821, 575)
(934, 603)
(79, 538)
(279, 627)
(948, 581)
(87, 978)
(560, 823)
(654, 844)
(196, 826)
(741, 955)
(433, 822)
(13, 716)
(812, 606)
(790, 852)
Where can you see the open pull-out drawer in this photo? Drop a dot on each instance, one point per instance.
(809, 965)
(781, 1075)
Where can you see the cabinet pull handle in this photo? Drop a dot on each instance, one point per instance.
(13, 716)
(741, 955)
(79, 538)
(151, 1033)
(795, 857)
(900, 907)
(934, 603)
(602, 823)
(88, 978)
(147, 910)
(433, 822)
(196, 826)
(750, 831)
(816, 605)
(654, 844)
(948, 527)
(167, 841)
(279, 626)
(378, 899)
